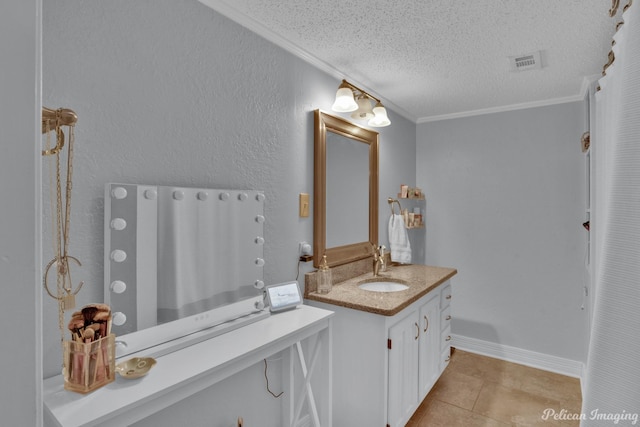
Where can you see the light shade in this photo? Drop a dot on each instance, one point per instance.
(344, 100)
(380, 118)
(364, 111)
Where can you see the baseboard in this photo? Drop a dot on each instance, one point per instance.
(546, 362)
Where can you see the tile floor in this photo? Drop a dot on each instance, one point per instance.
(479, 391)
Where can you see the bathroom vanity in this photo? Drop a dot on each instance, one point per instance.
(183, 373)
(390, 347)
(184, 279)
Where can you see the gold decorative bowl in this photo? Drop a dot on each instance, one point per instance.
(135, 367)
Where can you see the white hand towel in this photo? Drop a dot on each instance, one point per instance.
(399, 240)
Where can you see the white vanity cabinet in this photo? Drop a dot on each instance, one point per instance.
(385, 365)
(445, 326)
(414, 359)
(429, 368)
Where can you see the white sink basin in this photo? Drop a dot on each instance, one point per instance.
(383, 286)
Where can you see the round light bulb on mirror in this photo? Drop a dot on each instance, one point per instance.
(119, 193)
(150, 194)
(118, 224)
(118, 255)
(118, 286)
(119, 318)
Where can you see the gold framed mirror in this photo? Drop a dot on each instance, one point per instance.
(345, 207)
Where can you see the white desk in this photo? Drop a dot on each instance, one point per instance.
(187, 371)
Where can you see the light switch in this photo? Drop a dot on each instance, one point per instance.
(304, 205)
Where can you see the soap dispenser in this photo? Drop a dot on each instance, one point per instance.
(324, 277)
(383, 261)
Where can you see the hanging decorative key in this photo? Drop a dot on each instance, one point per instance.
(54, 121)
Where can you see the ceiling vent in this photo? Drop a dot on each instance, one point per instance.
(527, 61)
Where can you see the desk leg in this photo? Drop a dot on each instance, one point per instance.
(295, 402)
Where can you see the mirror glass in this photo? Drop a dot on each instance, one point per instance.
(347, 207)
(345, 190)
(180, 260)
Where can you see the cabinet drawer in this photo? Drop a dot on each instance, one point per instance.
(445, 318)
(445, 356)
(445, 338)
(445, 296)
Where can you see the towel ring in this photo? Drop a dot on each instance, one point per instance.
(391, 202)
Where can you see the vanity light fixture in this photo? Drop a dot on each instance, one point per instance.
(351, 98)
(344, 102)
(364, 111)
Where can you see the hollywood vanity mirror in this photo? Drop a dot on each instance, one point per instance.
(181, 264)
(345, 215)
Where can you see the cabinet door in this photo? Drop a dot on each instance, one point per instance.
(429, 354)
(403, 370)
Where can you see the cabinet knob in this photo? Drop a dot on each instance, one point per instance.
(426, 323)
(448, 297)
(417, 330)
(448, 338)
(448, 317)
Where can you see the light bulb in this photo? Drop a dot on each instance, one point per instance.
(364, 111)
(380, 119)
(344, 102)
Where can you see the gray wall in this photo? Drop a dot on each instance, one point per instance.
(20, 260)
(174, 93)
(170, 92)
(505, 202)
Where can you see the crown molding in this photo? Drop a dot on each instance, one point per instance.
(587, 81)
(229, 11)
(502, 109)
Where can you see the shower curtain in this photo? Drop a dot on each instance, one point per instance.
(612, 379)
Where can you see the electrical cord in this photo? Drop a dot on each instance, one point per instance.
(267, 378)
(298, 273)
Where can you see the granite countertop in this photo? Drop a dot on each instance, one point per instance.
(420, 278)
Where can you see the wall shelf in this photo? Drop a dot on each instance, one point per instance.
(411, 198)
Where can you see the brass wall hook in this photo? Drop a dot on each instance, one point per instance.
(391, 201)
(57, 118)
(54, 120)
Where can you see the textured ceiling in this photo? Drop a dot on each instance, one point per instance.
(430, 59)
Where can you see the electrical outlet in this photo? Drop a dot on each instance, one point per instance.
(304, 251)
(304, 248)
